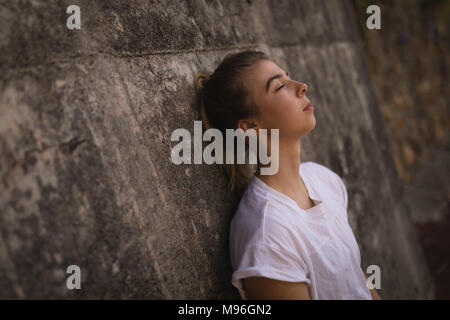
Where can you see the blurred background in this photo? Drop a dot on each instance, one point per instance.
(408, 62)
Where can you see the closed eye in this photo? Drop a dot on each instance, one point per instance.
(287, 76)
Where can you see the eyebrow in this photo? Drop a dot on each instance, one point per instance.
(277, 76)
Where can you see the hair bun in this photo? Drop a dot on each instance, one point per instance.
(200, 80)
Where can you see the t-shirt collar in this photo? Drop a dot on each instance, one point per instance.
(286, 200)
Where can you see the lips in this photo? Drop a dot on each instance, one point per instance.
(309, 106)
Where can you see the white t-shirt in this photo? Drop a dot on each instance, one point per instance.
(271, 236)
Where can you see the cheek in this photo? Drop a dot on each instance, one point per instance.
(285, 117)
(289, 110)
(281, 111)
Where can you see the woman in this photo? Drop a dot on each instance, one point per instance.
(290, 237)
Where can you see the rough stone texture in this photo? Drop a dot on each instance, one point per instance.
(428, 197)
(429, 193)
(409, 61)
(86, 119)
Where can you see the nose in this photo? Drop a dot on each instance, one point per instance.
(302, 88)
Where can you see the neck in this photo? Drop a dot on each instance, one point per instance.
(287, 179)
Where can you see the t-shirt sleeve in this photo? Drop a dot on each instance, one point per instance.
(267, 261)
(267, 248)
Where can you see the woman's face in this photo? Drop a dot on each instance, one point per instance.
(281, 101)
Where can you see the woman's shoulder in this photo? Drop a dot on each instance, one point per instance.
(250, 208)
(319, 171)
(317, 168)
(256, 202)
(326, 176)
(256, 208)
(268, 226)
(247, 224)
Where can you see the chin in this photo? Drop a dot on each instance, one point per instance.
(311, 125)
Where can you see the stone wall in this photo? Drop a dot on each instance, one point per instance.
(408, 61)
(86, 119)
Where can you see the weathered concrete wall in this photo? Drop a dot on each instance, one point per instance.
(409, 63)
(85, 125)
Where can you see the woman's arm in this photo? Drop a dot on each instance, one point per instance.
(261, 288)
(373, 292)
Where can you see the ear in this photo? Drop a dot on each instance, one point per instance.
(247, 124)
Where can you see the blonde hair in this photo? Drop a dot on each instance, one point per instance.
(223, 100)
